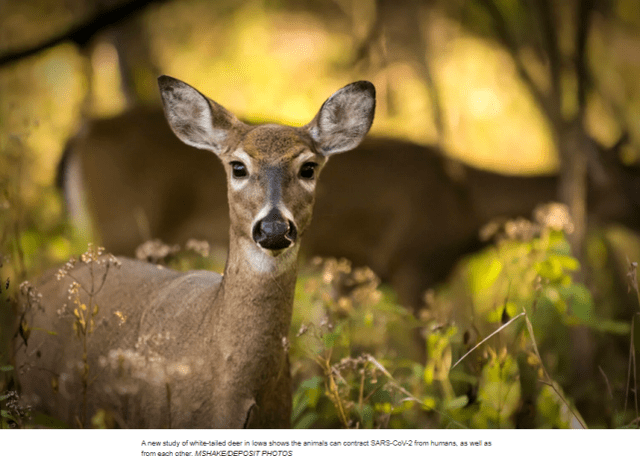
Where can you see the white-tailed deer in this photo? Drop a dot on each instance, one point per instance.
(402, 209)
(198, 349)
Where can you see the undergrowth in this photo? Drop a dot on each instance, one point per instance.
(496, 351)
(493, 347)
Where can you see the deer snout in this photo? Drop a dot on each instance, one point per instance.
(274, 232)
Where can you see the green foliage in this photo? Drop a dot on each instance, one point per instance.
(490, 352)
(498, 392)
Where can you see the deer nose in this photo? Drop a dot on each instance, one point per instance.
(274, 232)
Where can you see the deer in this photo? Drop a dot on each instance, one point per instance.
(407, 211)
(220, 340)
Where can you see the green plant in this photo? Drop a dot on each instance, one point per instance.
(494, 352)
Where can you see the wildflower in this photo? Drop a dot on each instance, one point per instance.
(113, 261)
(68, 266)
(202, 248)
(155, 251)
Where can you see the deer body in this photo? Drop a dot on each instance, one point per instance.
(199, 349)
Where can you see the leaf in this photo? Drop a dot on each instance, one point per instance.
(367, 415)
(428, 374)
(306, 421)
(102, 420)
(428, 403)
(310, 392)
(311, 383)
(6, 368)
(457, 403)
(580, 300)
(24, 331)
(329, 339)
(567, 262)
(558, 243)
(612, 326)
(5, 414)
(484, 273)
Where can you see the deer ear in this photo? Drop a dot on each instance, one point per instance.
(344, 119)
(195, 119)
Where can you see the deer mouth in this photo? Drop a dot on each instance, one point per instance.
(274, 253)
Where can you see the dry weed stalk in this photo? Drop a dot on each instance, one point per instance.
(85, 314)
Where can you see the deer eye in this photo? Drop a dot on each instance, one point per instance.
(238, 170)
(308, 170)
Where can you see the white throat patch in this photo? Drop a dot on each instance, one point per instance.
(260, 261)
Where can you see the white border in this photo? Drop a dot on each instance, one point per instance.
(381, 443)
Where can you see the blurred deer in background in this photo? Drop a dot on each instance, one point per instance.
(402, 209)
(219, 341)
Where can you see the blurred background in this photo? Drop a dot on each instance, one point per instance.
(485, 108)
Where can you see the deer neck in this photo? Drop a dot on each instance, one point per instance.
(257, 285)
(252, 317)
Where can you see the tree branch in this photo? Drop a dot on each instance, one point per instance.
(81, 33)
(511, 45)
(551, 46)
(585, 7)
